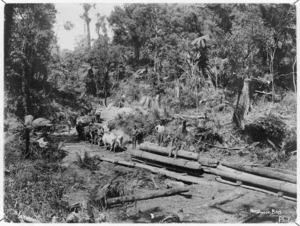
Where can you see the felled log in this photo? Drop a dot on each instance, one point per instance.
(193, 165)
(259, 181)
(177, 176)
(150, 147)
(224, 199)
(150, 195)
(270, 173)
(255, 189)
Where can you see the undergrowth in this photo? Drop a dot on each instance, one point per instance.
(144, 122)
(33, 192)
(29, 186)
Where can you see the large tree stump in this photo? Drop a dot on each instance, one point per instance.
(242, 106)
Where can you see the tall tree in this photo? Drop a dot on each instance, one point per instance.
(280, 43)
(132, 26)
(106, 57)
(29, 46)
(87, 20)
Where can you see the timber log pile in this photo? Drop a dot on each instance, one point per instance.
(264, 179)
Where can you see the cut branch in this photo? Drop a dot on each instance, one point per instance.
(225, 199)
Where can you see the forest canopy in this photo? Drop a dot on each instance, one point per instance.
(189, 44)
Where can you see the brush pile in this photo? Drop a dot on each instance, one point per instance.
(269, 129)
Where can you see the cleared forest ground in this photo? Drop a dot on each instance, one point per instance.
(194, 208)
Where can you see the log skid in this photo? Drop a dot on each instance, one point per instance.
(257, 178)
(262, 178)
(177, 176)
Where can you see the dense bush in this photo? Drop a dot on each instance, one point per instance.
(145, 122)
(30, 188)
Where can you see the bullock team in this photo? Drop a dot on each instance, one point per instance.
(89, 130)
(95, 134)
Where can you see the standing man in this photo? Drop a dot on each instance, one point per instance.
(122, 101)
(134, 134)
(80, 130)
(160, 129)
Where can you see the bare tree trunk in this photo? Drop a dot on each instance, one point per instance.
(196, 94)
(272, 55)
(105, 98)
(137, 53)
(294, 77)
(8, 12)
(242, 105)
(157, 100)
(106, 77)
(88, 32)
(26, 112)
(87, 20)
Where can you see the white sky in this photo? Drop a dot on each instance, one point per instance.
(71, 12)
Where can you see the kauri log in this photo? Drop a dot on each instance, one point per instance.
(150, 147)
(270, 173)
(177, 176)
(149, 195)
(255, 180)
(193, 165)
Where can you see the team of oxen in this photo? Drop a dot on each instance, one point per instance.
(89, 130)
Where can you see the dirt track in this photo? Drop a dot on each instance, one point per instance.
(273, 209)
